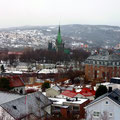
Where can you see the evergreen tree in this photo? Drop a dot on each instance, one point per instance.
(100, 91)
(2, 68)
(4, 84)
(45, 85)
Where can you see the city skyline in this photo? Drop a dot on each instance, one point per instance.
(43, 12)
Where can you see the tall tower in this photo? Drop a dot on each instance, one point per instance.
(59, 42)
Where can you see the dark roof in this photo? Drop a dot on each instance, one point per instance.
(114, 95)
(111, 57)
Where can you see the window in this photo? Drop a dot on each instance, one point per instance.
(75, 108)
(113, 63)
(105, 63)
(110, 114)
(98, 71)
(117, 63)
(98, 62)
(96, 114)
(106, 102)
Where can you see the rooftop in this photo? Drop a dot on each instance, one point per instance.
(16, 81)
(69, 93)
(20, 107)
(60, 101)
(48, 71)
(6, 97)
(111, 57)
(87, 92)
(114, 95)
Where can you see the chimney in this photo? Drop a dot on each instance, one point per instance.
(110, 89)
(73, 90)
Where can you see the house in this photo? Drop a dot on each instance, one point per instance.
(86, 93)
(69, 108)
(17, 84)
(105, 107)
(24, 107)
(53, 92)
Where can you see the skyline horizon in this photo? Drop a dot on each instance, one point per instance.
(58, 25)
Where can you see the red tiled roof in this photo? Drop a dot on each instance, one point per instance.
(69, 93)
(87, 92)
(15, 81)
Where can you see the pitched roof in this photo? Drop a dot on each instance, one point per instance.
(87, 92)
(59, 39)
(114, 95)
(111, 57)
(56, 88)
(69, 93)
(7, 96)
(16, 81)
(48, 71)
(33, 103)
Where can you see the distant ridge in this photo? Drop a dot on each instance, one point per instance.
(73, 35)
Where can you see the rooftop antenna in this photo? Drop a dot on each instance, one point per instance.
(59, 20)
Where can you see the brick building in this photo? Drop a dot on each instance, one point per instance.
(102, 66)
(72, 108)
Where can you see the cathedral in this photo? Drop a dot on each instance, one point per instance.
(59, 42)
(59, 45)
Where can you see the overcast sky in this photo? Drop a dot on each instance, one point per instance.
(50, 12)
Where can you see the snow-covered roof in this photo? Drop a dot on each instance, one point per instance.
(78, 90)
(47, 71)
(14, 72)
(6, 97)
(33, 103)
(56, 88)
(60, 101)
(116, 78)
(105, 83)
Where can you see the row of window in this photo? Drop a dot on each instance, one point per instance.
(97, 114)
(103, 62)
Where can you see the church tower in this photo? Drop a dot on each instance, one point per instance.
(59, 42)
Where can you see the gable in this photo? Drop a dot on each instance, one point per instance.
(102, 102)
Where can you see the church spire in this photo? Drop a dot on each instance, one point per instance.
(59, 38)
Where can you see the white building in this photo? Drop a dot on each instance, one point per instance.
(105, 107)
